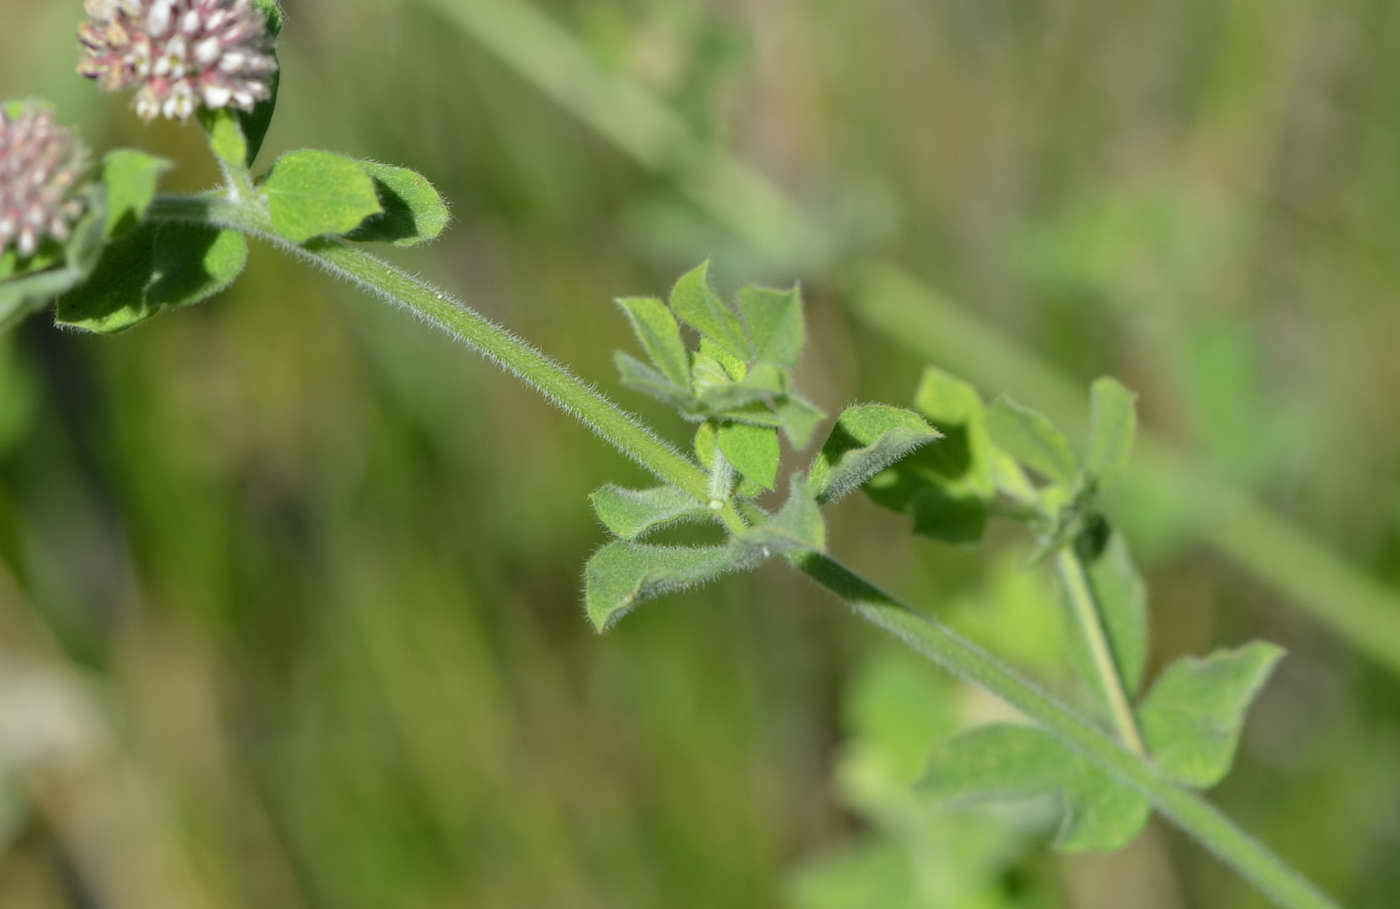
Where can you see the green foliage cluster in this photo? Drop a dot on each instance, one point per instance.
(736, 381)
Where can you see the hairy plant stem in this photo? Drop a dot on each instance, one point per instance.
(1091, 624)
(936, 642)
(916, 316)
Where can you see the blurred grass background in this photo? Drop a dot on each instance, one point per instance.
(289, 585)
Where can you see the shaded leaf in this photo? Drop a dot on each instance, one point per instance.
(775, 323)
(632, 513)
(1191, 719)
(1032, 439)
(129, 178)
(1112, 426)
(1010, 761)
(312, 193)
(413, 211)
(800, 419)
(866, 439)
(753, 450)
(622, 575)
(154, 268)
(696, 304)
(660, 335)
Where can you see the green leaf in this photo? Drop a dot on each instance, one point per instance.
(775, 323)
(660, 335)
(152, 269)
(1120, 595)
(638, 376)
(866, 439)
(312, 193)
(1009, 761)
(1032, 439)
(797, 525)
(1191, 719)
(224, 129)
(753, 450)
(1112, 425)
(130, 179)
(632, 513)
(800, 419)
(413, 211)
(622, 575)
(697, 305)
(706, 444)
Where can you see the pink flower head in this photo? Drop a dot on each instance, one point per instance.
(180, 53)
(41, 167)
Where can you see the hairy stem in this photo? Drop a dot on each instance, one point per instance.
(627, 434)
(1106, 670)
(919, 318)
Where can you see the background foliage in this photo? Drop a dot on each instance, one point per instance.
(305, 576)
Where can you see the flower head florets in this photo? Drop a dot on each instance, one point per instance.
(183, 54)
(41, 168)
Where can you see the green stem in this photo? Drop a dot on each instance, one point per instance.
(1110, 679)
(936, 642)
(921, 319)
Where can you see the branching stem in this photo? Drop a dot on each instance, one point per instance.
(1091, 624)
(626, 433)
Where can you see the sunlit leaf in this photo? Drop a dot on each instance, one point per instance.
(312, 193)
(775, 323)
(753, 450)
(1032, 439)
(632, 513)
(1191, 719)
(1007, 761)
(866, 439)
(660, 336)
(1112, 426)
(129, 178)
(622, 575)
(696, 304)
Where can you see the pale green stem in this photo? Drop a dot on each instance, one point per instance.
(1106, 670)
(754, 207)
(626, 433)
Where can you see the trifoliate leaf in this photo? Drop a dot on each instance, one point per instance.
(152, 269)
(312, 193)
(1032, 439)
(660, 335)
(130, 179)
(753, 450)
(775, 323)
(1006, 761)
(1112, 425)
(866, 439)
(633, 513)
(622, 575)
(697, 305)
(413, 212)
(1191, 719)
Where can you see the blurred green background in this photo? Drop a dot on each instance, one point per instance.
(289, 585)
